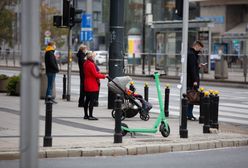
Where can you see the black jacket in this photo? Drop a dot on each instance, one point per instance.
(192, 68)
(81, 59)
(50, 61)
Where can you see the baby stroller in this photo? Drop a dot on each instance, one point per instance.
(132, 103)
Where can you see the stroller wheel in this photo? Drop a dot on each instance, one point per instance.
(164, 131)
(122, 117)
(145, 117)
(124, 132)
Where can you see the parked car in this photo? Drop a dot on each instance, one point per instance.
(101, 57)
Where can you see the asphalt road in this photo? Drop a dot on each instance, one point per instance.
(217, 158)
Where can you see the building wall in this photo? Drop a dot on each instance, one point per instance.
(219, 10)
(234, 16)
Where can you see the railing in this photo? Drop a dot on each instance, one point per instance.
(231, 67)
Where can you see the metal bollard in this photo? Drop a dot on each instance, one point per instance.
(118, 114)
(215, 123)
(206, 104)
(131, 86)
(183, 127)
(47, 141)
(146, 91)
(166, 100)
(64, 87)
(201, 118)
(211, 108)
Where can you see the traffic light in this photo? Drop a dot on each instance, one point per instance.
(73, 16)
(57, 20)
(179, 8)
(66, 12)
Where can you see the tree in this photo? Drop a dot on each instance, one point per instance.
(7, 16)
(46, 21)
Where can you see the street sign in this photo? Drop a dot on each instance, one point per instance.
(86, 33)
(47, 33)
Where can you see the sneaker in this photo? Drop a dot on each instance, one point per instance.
(92, 118)
(86, 117)
(192, 118)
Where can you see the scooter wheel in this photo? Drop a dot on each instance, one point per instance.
(122, 117)
(165, 132)
(124, 132)
(145, 117)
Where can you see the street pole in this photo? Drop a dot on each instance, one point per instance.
(116, 44)
(184, 52)
(68, 94)
(143, 37)
(30, 83)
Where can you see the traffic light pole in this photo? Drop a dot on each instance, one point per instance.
(68, 94)
(184, 52)
(116, 44)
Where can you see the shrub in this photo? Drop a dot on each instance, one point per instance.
(12, 85)
(3, 77)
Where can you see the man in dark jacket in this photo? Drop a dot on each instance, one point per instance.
(193, 79)
(81, 59)
(51, 69)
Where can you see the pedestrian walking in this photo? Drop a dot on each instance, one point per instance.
(51, 70)
(193, 79)
(81, 55)
(91, 84)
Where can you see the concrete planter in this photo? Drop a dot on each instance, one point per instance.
(3, 85)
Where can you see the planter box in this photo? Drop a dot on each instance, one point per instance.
(3, 85)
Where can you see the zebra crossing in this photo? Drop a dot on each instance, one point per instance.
(233, 106)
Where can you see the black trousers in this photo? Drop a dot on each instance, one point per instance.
(91, 97)
(82, 94)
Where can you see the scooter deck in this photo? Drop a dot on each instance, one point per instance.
(141, 130)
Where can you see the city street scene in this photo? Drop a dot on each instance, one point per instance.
(123, 83)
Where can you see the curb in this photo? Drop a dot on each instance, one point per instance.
(130, 149)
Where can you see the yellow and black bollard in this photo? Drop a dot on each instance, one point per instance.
(215, 116)
(211, 107)
(146, 92)
(131, 86)
(206, 104)
(166, 100)
(201, 118)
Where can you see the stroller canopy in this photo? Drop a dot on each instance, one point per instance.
(121, 81)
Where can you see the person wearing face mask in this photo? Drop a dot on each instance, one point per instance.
(91, 84)
(81, 55)
(51, 69)
(193, 79)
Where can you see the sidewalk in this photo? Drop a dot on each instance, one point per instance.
(75, 137)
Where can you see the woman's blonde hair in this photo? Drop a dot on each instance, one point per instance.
(82, 47)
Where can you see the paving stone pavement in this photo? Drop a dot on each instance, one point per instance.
(75, 137)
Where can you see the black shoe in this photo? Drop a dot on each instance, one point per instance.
(192, 118)
(54, 101)
(86, 117)
(80, 105)
(96, 104)
(92, 118)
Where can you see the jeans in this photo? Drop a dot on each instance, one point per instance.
(190, 110)
(50, 80)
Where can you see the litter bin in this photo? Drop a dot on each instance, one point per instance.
(221, 71)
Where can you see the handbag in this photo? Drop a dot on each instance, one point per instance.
(193, 97)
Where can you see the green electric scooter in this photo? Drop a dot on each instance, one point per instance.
(161, 121)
